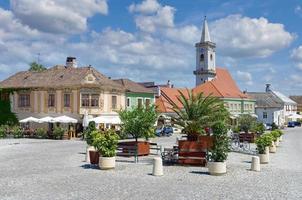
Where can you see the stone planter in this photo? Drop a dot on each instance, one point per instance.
(280, 138)
(267, 150)
(264, 158)
(277, 142)
(106, 163)
(216, 168)
(94, 157)
(272, 149)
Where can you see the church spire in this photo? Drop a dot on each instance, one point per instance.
(205, 37)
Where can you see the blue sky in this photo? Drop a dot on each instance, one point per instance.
(151, 40)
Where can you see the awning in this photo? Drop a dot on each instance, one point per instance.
(108, 118)
(295, 116)
(46, 120)
(29, 119)
(65, 120)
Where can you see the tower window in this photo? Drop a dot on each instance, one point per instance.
(211, 57)
(201, 57)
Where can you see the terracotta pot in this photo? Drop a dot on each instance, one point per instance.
(94, 157)
(87, 156)
(248, 137)
(192, 137)
(143, 147)
(264, 158)
(107, 163)
(217, 168)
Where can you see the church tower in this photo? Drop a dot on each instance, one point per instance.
(205, 57)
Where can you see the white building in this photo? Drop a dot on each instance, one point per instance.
(273, 106)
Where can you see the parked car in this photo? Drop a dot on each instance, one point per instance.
(297, 123)
(164, 131)
(268, 127)
(291, 124)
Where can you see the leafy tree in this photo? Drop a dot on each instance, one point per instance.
(138, 122)
(198, 112)
(6, 116)
(36, 67)
(88, 133)
(246, 122)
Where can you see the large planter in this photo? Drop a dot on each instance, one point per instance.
(191, 153)
(272, 149)
(247, 137)
(87, 156)
(206, 141)
(264, 158)
(107, 163)
(94, 157)
(216, 168)
(143, 148)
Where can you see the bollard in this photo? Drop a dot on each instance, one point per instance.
(255, 164)
(157, 167)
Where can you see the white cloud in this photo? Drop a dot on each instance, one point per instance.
(246, 77)
(146, 7)
(57, 16)
(239, 36)
(296, 56)
(163, 18)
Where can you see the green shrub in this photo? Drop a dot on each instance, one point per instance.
(17, 132)
(275, 134)
(263, 141)
(3, 131)
(246, 122)
(105, 142)
(41, 133)
(259, 128)
(87, 133)
(58, 132)
(219, 152)
(236, 129)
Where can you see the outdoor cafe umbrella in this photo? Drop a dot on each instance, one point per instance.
(29, 119)
(106, 120)
(85, 120)
(46, 120)
(65, 120)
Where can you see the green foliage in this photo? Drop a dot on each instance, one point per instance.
(263, 141)
(198, 112)
(275, 134)
(246, 122)
(279, 131)
(41, 133)
(35, 67)
(236, 129)
(87, 133)
(105, 142)
(219, 152)
(138, 122)
(259, 128)
(3, 131)
(6, 116)
(274, 126)
(17, 132)
(58, 132)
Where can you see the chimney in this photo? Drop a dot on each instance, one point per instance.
(169, 84)
(268, 88)
(71, 62)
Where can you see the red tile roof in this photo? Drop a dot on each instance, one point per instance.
(223, 86)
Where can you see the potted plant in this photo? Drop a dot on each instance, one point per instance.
(138, 123)
(280, 134)
(272, 148)
(275, 134)
(106, 143)
(263, 142)
(41, 133)
(92, 155)
(247, 123)
(58, 133)
(218, 154)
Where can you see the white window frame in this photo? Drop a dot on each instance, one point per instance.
(142, 101)
(150, 104)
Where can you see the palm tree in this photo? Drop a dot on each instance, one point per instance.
(197, 112)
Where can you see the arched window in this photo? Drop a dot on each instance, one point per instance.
(201, 57)
(211, 57)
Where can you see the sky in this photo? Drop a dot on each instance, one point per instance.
(258, 41)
